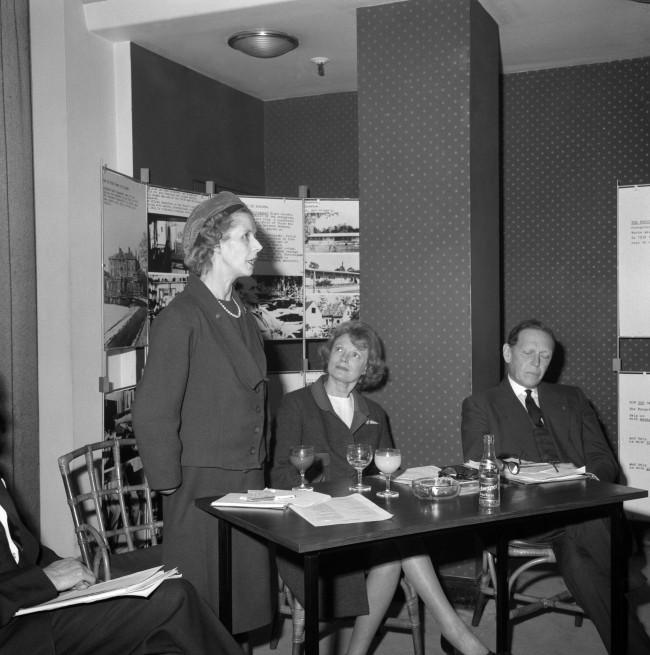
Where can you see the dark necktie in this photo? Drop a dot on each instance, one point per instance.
(534, 411)
(545, 442)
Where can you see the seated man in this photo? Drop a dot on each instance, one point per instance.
(173, 619)
(537, 421)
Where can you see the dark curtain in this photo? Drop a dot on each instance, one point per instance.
(19, 462)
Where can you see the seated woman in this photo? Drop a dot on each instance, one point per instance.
(330, 415)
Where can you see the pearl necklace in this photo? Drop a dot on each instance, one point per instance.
(225, 309)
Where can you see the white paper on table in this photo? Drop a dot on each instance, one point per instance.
(282, 498)
(539, 472)
(411, 474)
(348, 509)
(142, 583)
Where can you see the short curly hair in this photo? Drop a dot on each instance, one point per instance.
(199, 259)
(362, 336)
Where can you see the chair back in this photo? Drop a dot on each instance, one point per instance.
(113, 509)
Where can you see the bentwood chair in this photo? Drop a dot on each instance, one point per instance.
(115, 515)
(534, 554)
(288, 606)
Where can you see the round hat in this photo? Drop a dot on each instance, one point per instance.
(223, 202)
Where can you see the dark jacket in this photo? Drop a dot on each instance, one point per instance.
(567, 414)
(202, 398)
(24, 585)
(306, 416)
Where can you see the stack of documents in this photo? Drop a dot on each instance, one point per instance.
(539, 472)
(270, 499)
(142, 583)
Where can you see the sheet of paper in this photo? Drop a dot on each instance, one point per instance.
(142, 583)
(349, 509)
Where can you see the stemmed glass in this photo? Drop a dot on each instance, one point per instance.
(359, 456)
(388, 461)
(302, 457)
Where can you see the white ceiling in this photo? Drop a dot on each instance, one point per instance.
(534, 34)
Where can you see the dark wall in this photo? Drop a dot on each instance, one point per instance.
(568, 135)
(188, 128)
(312, 141)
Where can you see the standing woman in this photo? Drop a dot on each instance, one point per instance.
(200, 408)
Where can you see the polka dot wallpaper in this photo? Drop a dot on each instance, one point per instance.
(312, 141)
(568, 135)
(414, 181)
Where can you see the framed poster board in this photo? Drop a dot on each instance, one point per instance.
(634, 261)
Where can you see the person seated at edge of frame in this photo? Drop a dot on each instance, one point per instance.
(269, 326)
(173, 619)
(330, 415)
(561, 427)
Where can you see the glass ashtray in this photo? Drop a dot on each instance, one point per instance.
(441, 488)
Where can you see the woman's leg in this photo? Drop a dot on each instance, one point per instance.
(421, 574)
(381, 583)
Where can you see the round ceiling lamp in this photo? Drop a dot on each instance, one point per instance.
(263, 43)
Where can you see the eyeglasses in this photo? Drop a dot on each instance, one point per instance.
(512, 466)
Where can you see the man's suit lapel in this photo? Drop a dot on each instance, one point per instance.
(510, 410)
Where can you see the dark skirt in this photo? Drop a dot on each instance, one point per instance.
(341, 581)
(190, 542)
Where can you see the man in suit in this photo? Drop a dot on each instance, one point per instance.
(172, 620)
(537, 421)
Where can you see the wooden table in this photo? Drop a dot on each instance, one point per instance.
(520, 505)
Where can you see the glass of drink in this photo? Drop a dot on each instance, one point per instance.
(359, 456)
(388, 461)
(302, 457)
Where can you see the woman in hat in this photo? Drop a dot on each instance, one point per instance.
(199, 414)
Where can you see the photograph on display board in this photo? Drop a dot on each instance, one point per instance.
(331, 226)
(323, 312)
(276, 303)
(117, 414)
(332, 273)
(163, 288)
(124, 260)
(165, 244)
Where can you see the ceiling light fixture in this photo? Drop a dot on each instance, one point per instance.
(320, 64)
(263, 43)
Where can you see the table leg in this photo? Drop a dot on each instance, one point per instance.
(311, 603)
(225, 574)
(502, 599)
(618, 583)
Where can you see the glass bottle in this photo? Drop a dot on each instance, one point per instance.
(488, 475)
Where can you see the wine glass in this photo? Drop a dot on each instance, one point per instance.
(388, 461)
(302, 457)
(359, 456)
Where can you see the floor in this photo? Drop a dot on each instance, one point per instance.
(548, 633)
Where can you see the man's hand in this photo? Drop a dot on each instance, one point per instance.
(69, 573)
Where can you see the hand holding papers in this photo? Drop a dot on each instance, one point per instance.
(348, 509)
(142, 583)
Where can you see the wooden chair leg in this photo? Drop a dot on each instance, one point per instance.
(277, 619)
(413, 609)
(481, 598)
(298, 624)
